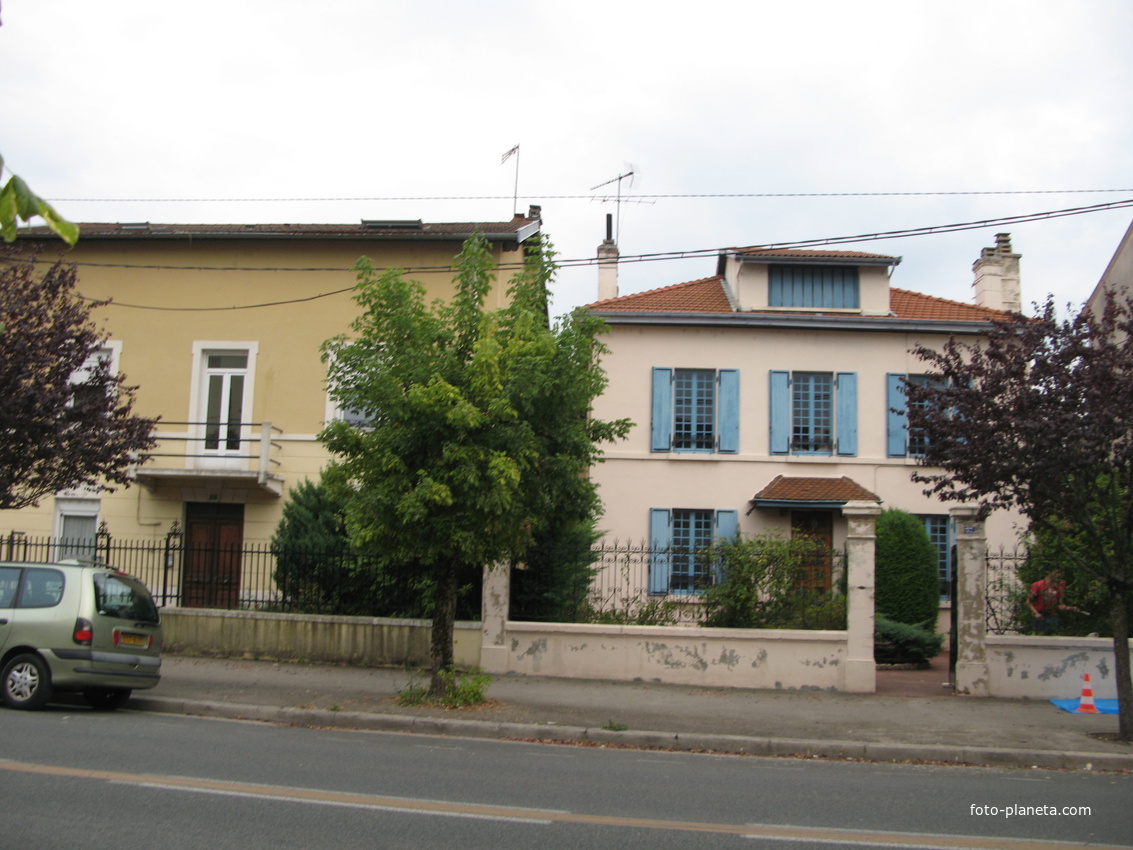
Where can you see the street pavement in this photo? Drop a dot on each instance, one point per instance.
(913, 717)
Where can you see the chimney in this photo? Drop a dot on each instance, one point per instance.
(608, 264)
(997, 277)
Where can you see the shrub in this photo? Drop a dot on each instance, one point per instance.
(907, 587)
(758, 585)
(903, 643)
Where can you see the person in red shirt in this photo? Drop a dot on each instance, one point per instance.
(1045, 602)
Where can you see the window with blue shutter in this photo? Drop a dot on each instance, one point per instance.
(901, 440)
(680, 541)
(814, 413)
(695, 410)
(830, 287)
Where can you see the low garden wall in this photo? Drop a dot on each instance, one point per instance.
(1049, 667)
(362, 641)
(734, 658)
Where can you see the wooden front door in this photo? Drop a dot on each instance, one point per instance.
(214, 540)
(817, 525)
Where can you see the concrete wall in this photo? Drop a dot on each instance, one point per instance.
(734, 658)
(363, 641)
(1049, 667)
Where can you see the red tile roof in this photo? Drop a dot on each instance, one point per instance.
(708, 295)
(696, 296)
(785, 489)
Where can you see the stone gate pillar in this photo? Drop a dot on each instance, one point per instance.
(860, 671)
(971, 602)
(493, 618)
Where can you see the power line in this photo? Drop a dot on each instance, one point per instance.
(932, 230)
(624, 198)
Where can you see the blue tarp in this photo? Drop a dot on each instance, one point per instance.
(1104, 706)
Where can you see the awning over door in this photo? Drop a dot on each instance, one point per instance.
(815, 493)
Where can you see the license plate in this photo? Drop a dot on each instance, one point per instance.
(127, 639)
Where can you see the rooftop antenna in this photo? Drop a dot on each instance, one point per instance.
(626, 175)
(505, 158)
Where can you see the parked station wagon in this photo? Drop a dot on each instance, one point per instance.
(75, 627)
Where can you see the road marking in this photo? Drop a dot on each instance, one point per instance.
(814, 835)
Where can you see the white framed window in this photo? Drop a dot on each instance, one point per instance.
(75, 526)
(221, 400)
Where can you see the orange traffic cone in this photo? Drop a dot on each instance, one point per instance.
(1086, 703)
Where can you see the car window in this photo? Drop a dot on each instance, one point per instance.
(123, 597)
(9, 581)
(42, 588)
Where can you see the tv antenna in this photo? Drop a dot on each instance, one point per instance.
(626, 175)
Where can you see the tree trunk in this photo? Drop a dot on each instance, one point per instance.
(444, 615)
(1119, 616)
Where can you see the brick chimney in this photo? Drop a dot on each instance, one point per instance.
(997, 277)
(608, 264)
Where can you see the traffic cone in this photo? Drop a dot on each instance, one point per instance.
(1086, 703)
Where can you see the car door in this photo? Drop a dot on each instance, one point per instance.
(9, 581)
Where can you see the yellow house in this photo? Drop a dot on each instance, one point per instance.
(220, 328)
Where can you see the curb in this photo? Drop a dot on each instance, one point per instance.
(699, 742)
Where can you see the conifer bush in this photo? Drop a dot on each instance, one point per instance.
(907, 587)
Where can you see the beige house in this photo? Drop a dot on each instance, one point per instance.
(765, 398)
(220, 328)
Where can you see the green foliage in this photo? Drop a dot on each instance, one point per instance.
(18, 202)
(758, 585)
(460, 690)
(907, 586)
(558, 568)
(1047, 552)
(647, 612)
(905, 643)
(480, 434)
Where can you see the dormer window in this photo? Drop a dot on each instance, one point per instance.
(814, 287)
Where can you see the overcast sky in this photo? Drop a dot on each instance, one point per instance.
(182, 105)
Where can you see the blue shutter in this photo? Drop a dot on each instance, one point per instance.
(728, 425)
(660, 538)
(662, 433)
(896, 420)
(847, 413)
(727, 528)
(780, 413)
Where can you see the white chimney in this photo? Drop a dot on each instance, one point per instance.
(608, 264)
(997, 277)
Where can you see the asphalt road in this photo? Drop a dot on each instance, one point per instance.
(73, 778)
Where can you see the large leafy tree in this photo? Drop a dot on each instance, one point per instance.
(18, 202)
(65, 420)
(1040, 418)
(479, 426)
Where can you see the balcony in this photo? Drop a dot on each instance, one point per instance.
(210, 457)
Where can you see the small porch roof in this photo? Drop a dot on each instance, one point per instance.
(815, 493)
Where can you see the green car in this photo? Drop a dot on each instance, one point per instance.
(75, 627)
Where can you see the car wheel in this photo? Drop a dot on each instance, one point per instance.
(106, 699)
(27, 682)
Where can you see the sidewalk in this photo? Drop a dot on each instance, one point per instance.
(911, 718)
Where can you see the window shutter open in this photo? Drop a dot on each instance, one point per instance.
(780, 413)
(729, 411)
(847, 424)
(896, 420)
(661, 438)
(660, 538)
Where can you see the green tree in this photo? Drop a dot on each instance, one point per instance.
(479, 422)
(907, 586)
(67, 419)
(1040, 418)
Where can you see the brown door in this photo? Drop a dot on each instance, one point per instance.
(214, 538)
(817, 525)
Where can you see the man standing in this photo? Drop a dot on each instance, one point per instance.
(1045, 602)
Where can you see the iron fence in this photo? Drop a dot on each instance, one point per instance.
(1006, 593)
(256, 576)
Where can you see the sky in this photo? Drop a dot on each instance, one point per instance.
(743, 123)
